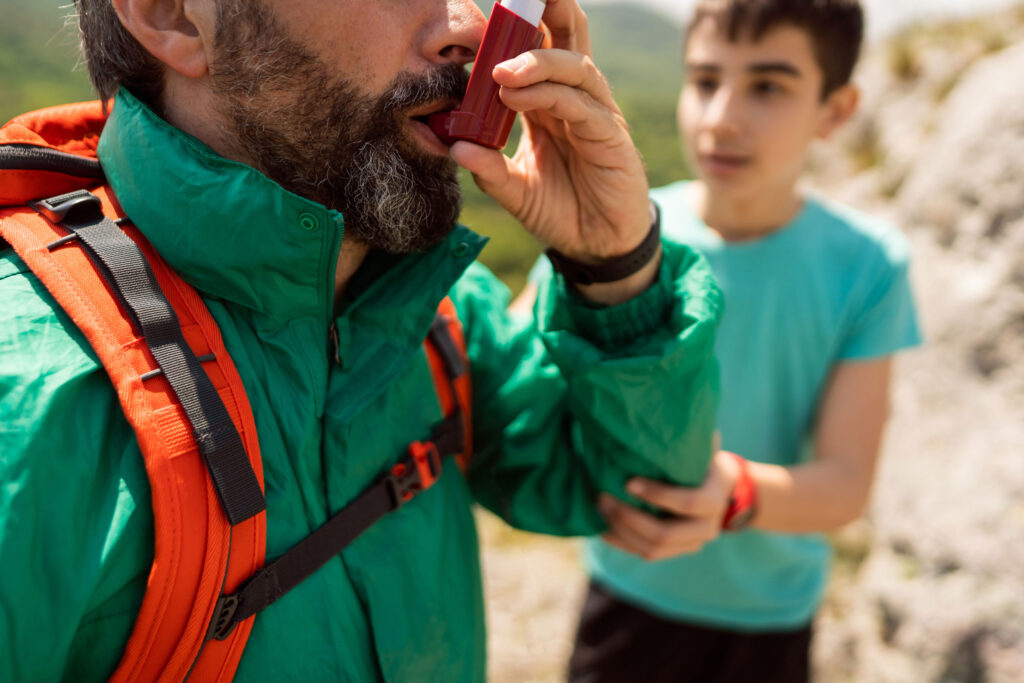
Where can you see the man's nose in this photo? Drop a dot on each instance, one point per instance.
(458, 36)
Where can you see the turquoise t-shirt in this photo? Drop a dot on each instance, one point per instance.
(831, 286)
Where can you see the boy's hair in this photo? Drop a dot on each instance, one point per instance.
(835, 27)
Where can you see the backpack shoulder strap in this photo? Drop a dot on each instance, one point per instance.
(193, 422)
(49, 152)
(449, 366)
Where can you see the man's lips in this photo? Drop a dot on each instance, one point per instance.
(419, 124)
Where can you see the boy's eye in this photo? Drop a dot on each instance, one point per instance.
(767, 88)
(705, 84)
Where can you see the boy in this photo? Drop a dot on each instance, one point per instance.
(817, 301)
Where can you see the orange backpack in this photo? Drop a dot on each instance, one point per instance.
(183, 397)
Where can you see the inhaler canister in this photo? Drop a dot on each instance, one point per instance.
(513, 28)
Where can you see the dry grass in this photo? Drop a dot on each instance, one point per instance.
(534, 587)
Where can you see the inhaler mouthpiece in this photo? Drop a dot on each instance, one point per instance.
(512, 29)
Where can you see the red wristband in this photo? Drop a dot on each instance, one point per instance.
(743, 500)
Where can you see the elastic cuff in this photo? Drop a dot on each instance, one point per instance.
(562, 308)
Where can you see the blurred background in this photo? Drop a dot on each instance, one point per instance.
(930, 585)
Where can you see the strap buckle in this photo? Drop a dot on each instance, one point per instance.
(74, 207)
(223, 621)
(428, 461)
(415, 473)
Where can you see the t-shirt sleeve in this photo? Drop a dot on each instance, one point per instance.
(886, 320)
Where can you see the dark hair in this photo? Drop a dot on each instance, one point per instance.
(835, 27)
(113, 56)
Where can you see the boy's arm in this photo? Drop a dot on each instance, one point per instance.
(824, 494)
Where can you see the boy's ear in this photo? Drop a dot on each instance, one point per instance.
(837, 109)
(178, 33)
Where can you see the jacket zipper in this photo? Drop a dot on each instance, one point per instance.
(332, 335)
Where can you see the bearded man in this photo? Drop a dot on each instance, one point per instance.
(276, 155)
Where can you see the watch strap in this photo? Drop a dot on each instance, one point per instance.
(615, 269)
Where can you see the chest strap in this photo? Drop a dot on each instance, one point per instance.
(416, 472)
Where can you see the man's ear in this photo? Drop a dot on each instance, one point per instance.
(178, 33)
(837, 109)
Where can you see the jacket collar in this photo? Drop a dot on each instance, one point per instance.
(236, 235)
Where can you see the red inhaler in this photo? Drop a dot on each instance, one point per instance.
(512, 29)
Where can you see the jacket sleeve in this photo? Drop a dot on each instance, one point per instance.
(579, 398)
(75, 538)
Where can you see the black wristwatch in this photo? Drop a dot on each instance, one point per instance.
(616, 269)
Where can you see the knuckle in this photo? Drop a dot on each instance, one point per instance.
(660, 536)
(581, 20)
(684, 504)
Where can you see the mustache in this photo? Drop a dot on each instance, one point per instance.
(408, 90)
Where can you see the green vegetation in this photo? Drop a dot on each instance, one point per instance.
(903, 57)
(974, 37)
(638, 51)
(38, 57)
(865, 148)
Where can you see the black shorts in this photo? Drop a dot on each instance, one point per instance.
(617, 642)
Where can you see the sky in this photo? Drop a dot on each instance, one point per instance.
(883, 16)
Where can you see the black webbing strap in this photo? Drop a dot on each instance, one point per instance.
(385, 495)
(125, 268)
(396, 487)
(440, 336)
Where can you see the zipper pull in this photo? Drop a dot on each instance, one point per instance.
(332, 334)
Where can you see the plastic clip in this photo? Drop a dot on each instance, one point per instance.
(223, 621)
(74, 207)
(416, 473)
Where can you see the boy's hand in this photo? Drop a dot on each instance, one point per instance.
(697, 513)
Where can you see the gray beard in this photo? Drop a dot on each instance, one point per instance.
(396, 205)
(328, 141)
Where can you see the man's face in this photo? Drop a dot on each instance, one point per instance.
(750, 110)
(328, 102)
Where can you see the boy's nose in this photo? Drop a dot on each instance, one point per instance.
(723, 114)
(458, 36)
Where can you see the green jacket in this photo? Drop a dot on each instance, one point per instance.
(565, 405)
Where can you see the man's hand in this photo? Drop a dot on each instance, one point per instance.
(696, 513)
(576, 181)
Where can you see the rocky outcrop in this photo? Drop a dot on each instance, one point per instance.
(936, 589)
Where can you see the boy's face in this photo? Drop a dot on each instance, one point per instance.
(749, 110)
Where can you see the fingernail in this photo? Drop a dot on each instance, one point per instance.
(635, 486)
(514, 65)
